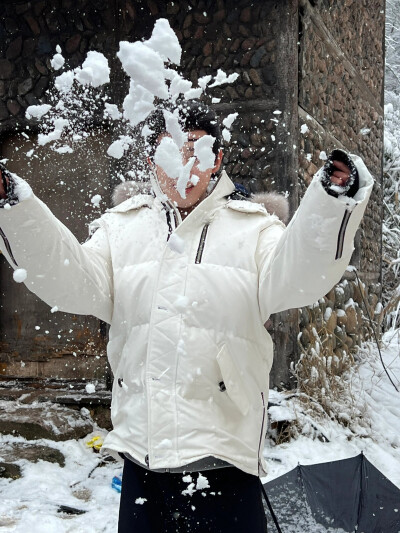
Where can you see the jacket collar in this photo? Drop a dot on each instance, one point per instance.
(203, 212)
(134, 202)
(217, 197)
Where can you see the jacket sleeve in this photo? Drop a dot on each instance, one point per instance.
(299, 264)
(63, 273)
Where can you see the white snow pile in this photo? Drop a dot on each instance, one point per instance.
(79, 99)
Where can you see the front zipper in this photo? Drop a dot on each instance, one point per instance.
(342, 232)
(262, 428)
(8, 247)
(168, 216)
(202, 242)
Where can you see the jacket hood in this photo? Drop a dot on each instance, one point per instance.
(274, 203)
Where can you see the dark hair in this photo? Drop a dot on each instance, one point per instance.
(193, 115)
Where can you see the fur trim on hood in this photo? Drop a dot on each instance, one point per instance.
(127, 189)
(274, 203)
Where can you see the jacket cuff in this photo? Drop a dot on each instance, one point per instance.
(352, 185)
(12, 198)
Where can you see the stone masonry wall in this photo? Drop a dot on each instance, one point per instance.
(257, 40)
(334, 66)
(340, 101)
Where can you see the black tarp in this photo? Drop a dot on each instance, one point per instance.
(349, 496)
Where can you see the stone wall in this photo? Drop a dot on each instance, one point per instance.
(335, 70)
(340, 101)
(256, 40)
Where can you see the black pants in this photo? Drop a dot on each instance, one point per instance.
(153, 502)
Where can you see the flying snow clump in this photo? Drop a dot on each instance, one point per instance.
(79, 98)
(20, 275)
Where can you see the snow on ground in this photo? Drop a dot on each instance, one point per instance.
(32, 502)
(377, 434)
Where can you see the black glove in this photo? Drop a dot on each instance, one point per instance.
(352, 184)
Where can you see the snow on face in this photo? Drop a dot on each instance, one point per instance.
(169, 157)
(204, 153)
(184, 175)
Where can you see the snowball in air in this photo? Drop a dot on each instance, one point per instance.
(20, 275)
(228, 121)
(37, 111)
(59, 125)
(118, 147)
(94, 71)
(57, 62)
(96, 199)
(303, 128)
(63, 83)
(145, 66)
(221, 78)
(111, 110)
(164, 41)
(202, 482)
(90, 388)
(138, 104)
(226, 134)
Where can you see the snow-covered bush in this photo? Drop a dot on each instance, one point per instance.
(391, 169)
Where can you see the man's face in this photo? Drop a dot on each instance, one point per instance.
(197, 185)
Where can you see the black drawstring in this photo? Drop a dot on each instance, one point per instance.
(270, 508)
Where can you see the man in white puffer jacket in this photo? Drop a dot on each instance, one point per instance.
(187, 285)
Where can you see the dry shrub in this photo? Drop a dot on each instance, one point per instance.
(322, 387)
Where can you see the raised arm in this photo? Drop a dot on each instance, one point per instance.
(76, 278)
(299, 264)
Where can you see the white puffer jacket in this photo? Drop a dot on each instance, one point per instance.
(187, 346)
